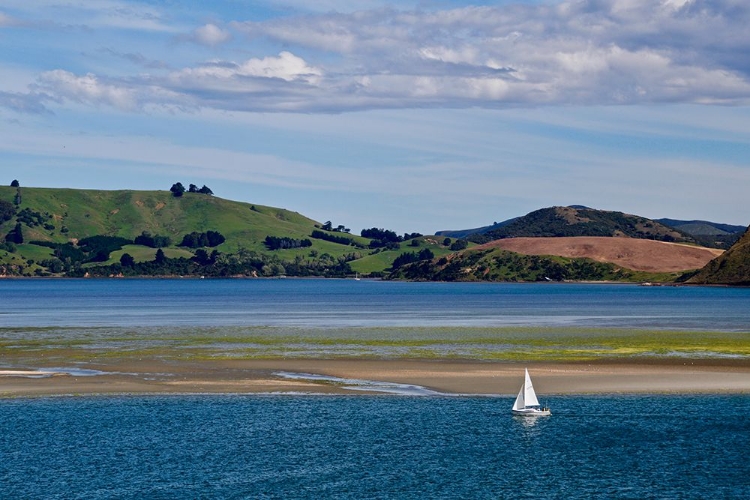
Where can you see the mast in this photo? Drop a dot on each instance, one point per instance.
(519, 404)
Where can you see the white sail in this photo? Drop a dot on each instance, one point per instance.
(529, 396)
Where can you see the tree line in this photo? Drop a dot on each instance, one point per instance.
(178, 189)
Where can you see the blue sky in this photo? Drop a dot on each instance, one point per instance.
(412, 116)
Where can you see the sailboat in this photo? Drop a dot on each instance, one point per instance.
(526, 403)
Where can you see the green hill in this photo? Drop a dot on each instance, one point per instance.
(67, 214)
(57, 225)
(582, 221)
(730, 268)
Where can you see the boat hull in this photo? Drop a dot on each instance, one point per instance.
(531, 412)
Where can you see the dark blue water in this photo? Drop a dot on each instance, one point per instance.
(373, 447)
(342, 303)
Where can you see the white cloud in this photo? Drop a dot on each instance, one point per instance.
(88, 89)
(286, 66)
(210, 34)
(575, 52)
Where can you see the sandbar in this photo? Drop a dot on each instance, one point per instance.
(324, 376)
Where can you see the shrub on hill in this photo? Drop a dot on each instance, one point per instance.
(409, 257)
(99, 247)
(7, 211)
(154, 241)
(198, 240)
(276, 243)
(334, 238)
(32, 218)
(15, 235)
(177, 189)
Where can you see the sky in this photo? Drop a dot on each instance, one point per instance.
(413, 116)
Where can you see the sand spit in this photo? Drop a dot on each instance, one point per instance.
(315, 376)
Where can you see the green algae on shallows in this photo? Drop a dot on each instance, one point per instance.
(488, 343)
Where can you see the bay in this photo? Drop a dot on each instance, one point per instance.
(373, 447)
(295, 446)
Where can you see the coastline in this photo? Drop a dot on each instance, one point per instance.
(361, 376)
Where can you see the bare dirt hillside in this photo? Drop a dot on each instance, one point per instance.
(631, 253)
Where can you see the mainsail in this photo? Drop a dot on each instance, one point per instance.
(526, 396)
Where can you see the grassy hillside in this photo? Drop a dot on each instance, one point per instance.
(63, 216)
(731, 268)
(76, 214)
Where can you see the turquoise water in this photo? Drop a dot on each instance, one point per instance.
(373, 447)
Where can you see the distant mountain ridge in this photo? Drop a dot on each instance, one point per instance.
(570, 221)
(463, 233)
(702, 227)
(579, 220)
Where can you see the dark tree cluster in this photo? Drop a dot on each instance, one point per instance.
(384, 235)
(178, 189)
(459, 245)
(384, 238)
(277, 243)
(204, 190)
(328, 226)
(7, 211)
(15, 235)
(409, 257)
(333, 238)
(198, 240)
(33, 218)
(98, 248)
(154, 241)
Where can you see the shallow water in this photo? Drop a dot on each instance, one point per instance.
(374, 447)
(366, 303)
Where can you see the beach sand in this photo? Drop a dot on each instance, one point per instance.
(445, 376)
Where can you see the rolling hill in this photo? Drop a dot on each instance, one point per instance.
(72, 232)
(56, 224)
(581, 221)
(578, 220)
(730, 268)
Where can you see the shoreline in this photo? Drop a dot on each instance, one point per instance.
(378, 376)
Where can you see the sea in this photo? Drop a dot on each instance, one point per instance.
(398, 444)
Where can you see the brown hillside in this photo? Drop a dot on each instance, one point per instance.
(631, 253)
